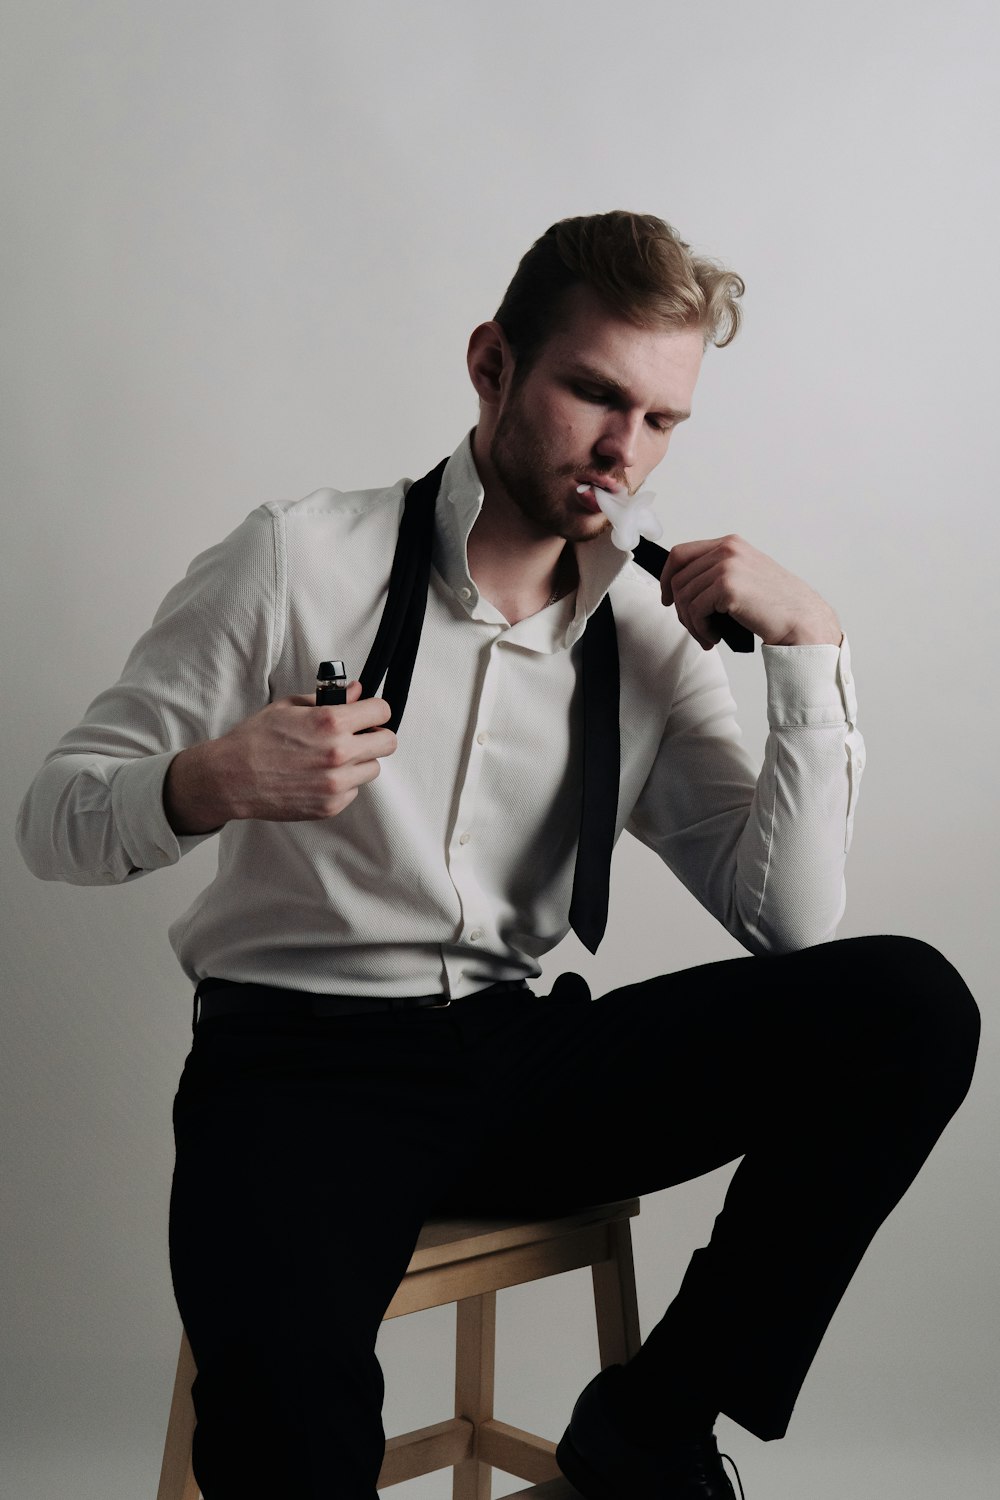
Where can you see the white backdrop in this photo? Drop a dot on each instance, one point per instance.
(244, 246)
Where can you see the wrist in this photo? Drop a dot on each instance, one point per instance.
(809, 638)
(819, 630)
(193, 798)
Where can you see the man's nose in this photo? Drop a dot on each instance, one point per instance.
(620, 439)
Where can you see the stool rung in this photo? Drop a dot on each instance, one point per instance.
(467, 1261)
(555, 1489)
(516, 1452)
(426, 1449)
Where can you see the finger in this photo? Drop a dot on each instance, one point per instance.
(703, 615)
(308, 700)
(684, 562)
(696, 597)
(693, 601)
(691, 564)
(682, 553)
(355, 775)
(353, 717)
(372, 744)
(365, 713)
(699, 629)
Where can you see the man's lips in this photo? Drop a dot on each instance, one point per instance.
(588, 500)
(592, 491)
(601, 482)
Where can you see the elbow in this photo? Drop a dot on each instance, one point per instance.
(50, 852)
(36, 851)
(800, 925)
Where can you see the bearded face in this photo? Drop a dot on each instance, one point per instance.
(598, 404)
(540, 481)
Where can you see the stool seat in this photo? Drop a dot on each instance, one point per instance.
(467, 1261)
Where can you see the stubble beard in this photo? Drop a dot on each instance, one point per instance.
(533, 484)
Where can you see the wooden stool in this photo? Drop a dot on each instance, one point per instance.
(467, 1261)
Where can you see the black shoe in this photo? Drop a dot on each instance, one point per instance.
(603, 1464)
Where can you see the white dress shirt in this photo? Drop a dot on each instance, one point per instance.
(454, 868)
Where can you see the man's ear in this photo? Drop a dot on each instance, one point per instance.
(490, 362)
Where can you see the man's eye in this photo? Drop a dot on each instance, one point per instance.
(598, 397)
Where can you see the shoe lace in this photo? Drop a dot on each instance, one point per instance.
(704, 1465)
(736, 1472)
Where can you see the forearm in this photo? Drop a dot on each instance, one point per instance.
(194, 798)
(789, 871)
(761, 848)
(95, 813)
(92, 819)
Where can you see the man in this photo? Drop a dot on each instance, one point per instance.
(363, 957)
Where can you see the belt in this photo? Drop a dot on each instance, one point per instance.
(225, 997)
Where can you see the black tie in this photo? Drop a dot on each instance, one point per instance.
(394, 649)
(394, 652)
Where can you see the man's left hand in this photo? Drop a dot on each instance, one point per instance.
(728, 576)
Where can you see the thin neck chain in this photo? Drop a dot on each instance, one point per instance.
(561, 589)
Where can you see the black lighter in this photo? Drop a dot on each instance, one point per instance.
(331, 683)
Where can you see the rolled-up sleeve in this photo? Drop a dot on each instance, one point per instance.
(94, 814)
(764, 852)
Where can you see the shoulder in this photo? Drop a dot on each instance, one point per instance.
(321, 526)
(328, 507)
(253, 561)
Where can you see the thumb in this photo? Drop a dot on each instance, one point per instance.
(302, 700)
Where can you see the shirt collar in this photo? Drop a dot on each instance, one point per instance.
(556, 628)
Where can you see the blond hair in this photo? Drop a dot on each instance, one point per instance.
(639, 267)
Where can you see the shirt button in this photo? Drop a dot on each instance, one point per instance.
(475, 934)
(465, 838)
(480, 739)
(465, 593)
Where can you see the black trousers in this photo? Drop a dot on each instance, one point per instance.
(309, 1152)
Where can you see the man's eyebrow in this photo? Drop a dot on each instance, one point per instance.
(614, 387)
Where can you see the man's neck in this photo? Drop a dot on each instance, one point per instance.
(517, 573)
(514, 564)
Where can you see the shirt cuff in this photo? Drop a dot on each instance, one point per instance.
(139, 816)
(809, 686)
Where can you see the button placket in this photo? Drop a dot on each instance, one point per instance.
(854, 742)
(461, 868)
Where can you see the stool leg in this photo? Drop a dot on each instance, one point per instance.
(177, 1481)
(615, 1300)
(475, 1356)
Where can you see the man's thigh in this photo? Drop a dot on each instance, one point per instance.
(664, 1080)
(307, 1155)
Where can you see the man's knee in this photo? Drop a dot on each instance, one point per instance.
(923, 998)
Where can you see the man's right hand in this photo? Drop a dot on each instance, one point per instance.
(290, 763)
